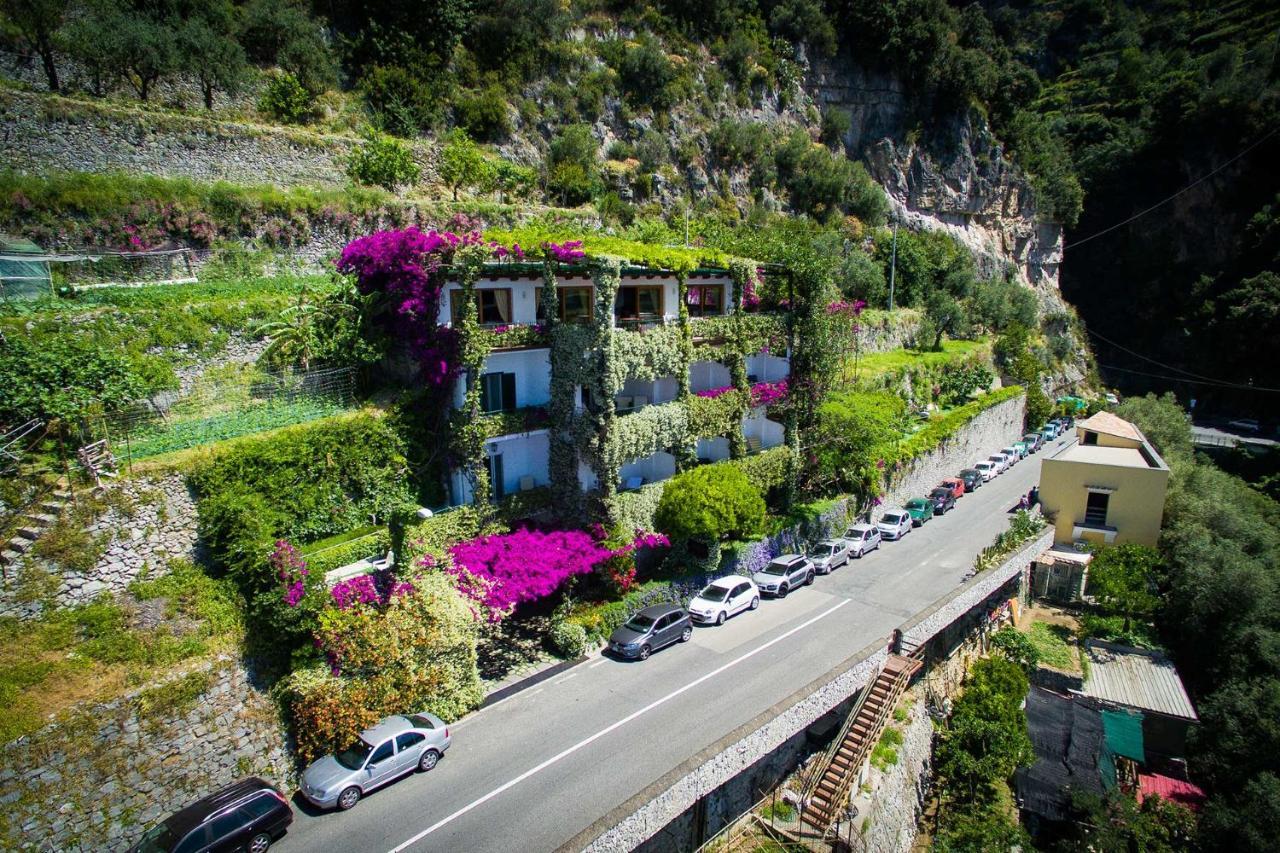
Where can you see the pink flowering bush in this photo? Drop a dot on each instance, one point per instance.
(712, 393)
(287, 565)
(566, 252)
(406, 268)
(769, 393)
(375, 590)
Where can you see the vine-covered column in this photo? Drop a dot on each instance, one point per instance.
(566, 371)
(740, 272)
(468, 434)
(686, 450)
(607, 381)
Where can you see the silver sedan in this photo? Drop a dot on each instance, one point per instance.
(395, 747)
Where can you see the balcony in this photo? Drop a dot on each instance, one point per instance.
(1091, 525)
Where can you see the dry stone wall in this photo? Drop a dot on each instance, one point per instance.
(93, 780)
(161, 526)
(993, 429)
(898, 800)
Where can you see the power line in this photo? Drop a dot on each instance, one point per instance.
(1190, 381)
(1212, 379)
(1189, 186)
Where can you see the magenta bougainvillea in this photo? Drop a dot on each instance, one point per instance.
(291, 569)
(762, 393)
(843, 307)
(375, 589)
(507, 569)
(405, 266)
(566, 252)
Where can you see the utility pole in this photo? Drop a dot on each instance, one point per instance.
(893, 262)
(686, 226)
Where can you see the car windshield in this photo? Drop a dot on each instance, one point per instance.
(968, 472)
(639, 623)
(776, 569)
(713, 593)
(354, 756)
(157, 839)
(939, 493)
(822, 551)
(892, 518)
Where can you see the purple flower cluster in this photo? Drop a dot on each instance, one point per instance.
(375, 589)
(712, 393)
(768, 393)
(751, 296)
(566, 252)
(842, 307)
(526, 565)
(291, 569)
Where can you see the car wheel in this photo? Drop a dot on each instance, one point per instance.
(720, 618)
(429, 759)
(782, 591)
(808, 579)
(348, 798)
(259, 843)
(644, 652)
(688, 630)
(755, 602)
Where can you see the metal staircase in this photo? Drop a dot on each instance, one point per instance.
(825, 801)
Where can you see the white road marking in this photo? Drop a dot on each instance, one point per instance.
(564, 679)
(597, 663)
(617, 725)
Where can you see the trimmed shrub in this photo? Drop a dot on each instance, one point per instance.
(383, 162)
(286, 100)
(710, 503)
(569, 639)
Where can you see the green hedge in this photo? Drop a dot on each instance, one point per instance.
(326, 559)
(938, 430)
(767, 469)
(600, 619)
(634, 510)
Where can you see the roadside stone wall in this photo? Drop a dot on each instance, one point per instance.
(161, 527)
(898, 801)
(96, 778)
(984, 435)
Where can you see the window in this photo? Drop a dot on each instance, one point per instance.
(260, 806)
(493, 304)
(740, 589)
(497, 392)
(1095, 510)
(495, 476)
(409, 740)
(225, 824)
(1090, 437)
(382, 753)
(575, 303)
(704, 300)
(194, 841)
(663, 621)
(634, 303)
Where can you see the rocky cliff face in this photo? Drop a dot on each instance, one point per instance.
(967, 188)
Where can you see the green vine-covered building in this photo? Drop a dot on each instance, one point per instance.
(602, 379)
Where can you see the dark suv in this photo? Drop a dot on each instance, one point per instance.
(248, 815)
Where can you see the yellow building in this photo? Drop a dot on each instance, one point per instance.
(1107, 488)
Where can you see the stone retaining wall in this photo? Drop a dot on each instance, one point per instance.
(161, 527)
(995, 428)
(96, 778)
(898, 801)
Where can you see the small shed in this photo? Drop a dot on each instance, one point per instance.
(24, 269)
(1143, 681)
(1060, 574)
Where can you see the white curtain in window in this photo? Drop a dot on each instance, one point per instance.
(502, 298)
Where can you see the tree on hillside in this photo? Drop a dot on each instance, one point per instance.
(39, 21)
(462, 163)
(944, 315)
(284, 33)
(1161, 420)
(209, 51)
(1123, 579)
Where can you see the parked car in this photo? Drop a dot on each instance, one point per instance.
(920, 510)
(1034, 441)
(955, 485)
(783, 574)
(1049, 432)
(942, 500)
(652, 628)
(862, 539)
(986, 468)
(247, 815)
(1012, 455)
(1024, 449)
(829, 555)
(895, 524)
(1111, 399)
(972, 478)
(999, 461)
(724, 597)
(396, 746)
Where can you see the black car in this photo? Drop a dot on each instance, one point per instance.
(651, 629)
(248, 815)
(942, 500)
(972, 479)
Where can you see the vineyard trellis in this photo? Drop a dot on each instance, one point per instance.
(244, 400)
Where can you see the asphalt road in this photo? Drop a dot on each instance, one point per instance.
(534, 770)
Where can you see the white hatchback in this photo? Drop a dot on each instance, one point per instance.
(724, 597)
(894, 524)
(987, 469)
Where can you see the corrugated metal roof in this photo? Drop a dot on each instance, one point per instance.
(1168, 788)
(1136, 678)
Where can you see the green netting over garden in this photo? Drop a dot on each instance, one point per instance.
(234, 401)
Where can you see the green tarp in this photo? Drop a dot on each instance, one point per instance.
(1121, 736)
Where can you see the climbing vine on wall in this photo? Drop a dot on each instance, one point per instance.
(469, 428)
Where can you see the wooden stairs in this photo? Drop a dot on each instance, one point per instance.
(840, 767)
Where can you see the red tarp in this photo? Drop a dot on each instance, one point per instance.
(1173, 790)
